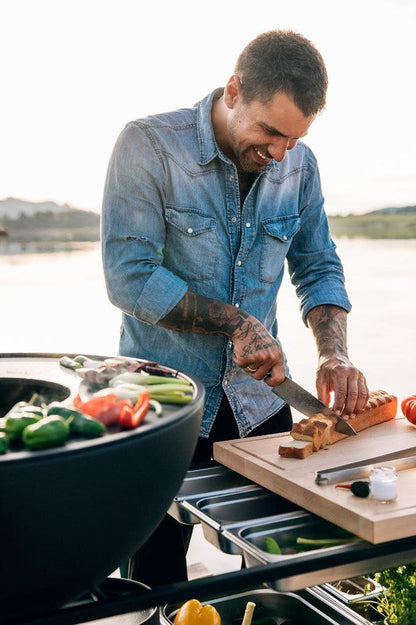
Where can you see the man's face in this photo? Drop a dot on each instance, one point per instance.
(256, 133)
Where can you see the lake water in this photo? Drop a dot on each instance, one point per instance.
(57, 302)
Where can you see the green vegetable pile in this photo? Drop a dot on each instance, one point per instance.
(129, 385)
(397, 605)
(35, 425)
(120, 392)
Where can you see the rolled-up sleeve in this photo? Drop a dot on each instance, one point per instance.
(133, 230)
(315, 268)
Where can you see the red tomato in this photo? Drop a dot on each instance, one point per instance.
(406, 401)
(408, 407)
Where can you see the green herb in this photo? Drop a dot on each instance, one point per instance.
(272, 546)
(397, 605)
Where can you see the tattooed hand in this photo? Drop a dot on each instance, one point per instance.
(257, 352)
(335, 371)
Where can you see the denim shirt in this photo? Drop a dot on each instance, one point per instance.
(172, 220)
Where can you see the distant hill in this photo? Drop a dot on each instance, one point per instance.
(400, 210)
(14, 207)
(23, 221)
(384, 223)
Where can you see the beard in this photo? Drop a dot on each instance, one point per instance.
(247, 162)
(243, 158)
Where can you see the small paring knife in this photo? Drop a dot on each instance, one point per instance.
(300, 399)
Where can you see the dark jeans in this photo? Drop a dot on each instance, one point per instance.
(162, 559)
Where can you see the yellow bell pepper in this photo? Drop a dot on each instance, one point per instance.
(194, 613)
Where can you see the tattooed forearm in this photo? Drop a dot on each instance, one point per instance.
(329, 326)
(253, 337)
(202, 315)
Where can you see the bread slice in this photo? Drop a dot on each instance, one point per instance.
(296, 449)
(331, 435)
(306, 430)
(319, 430)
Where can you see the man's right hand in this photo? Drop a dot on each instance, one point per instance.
(257, 352)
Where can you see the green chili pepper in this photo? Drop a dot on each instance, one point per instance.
(86, 426)
(79, 422)
(51, 431)
(57, 408)
(16, 422)
(4, 442)
(26, 407)
(36, 411)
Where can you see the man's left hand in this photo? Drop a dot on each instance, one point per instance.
(338, 375)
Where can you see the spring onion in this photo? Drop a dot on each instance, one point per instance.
(145, 380)
(157, 407)
(324, 542)
(166, 391)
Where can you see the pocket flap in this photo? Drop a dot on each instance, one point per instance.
(283, 228)
(189, 222)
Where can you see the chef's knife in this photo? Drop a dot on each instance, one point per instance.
(307, 404)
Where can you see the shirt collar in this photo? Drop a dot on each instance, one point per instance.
(208, 146)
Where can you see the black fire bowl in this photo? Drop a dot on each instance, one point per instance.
(71, 516)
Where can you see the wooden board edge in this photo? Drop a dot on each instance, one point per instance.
(245, 466)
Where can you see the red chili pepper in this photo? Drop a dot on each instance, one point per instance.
(126, 413)
(105, 408)
(96, 404)
(133, 419)
(111, 414)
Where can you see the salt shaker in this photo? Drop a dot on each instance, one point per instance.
(383, 484)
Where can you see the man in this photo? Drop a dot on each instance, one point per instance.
(202, 206)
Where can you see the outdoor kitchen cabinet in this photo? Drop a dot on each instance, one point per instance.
(233, 512)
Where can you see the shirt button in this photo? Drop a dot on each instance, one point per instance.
(284, 237)
(230, 177)
(233, 219)
(237, 305)
(190, 230)
(248, 224)
(225, 382)
(239, 263)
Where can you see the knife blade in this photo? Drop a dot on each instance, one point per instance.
(300, 399)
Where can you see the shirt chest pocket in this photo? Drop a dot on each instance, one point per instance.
(277, 236)
(191, 244)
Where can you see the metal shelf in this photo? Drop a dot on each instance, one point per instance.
(382, 555)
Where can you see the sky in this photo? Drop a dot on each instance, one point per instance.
(74, 72)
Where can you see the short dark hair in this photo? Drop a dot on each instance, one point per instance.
(286, 62)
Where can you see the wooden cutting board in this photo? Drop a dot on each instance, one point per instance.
(258, 459)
